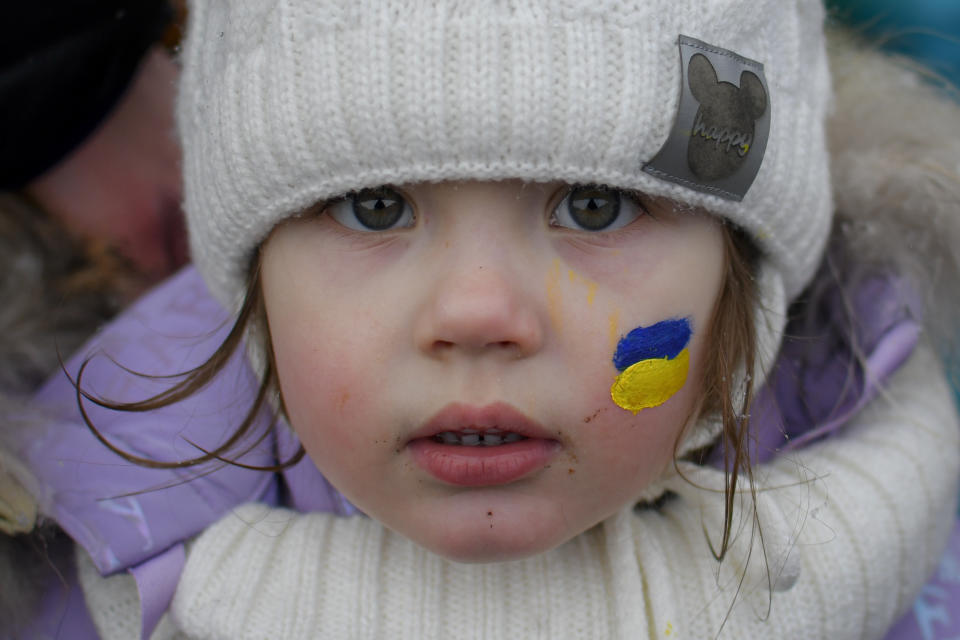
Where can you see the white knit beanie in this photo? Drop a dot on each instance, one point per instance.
(284, 103)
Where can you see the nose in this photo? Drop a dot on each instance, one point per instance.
(479, 309)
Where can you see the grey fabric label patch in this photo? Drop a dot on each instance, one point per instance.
(720, 134)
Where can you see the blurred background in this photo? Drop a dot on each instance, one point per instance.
(927, 30)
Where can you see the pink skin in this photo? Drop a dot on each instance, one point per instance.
(122, 185)
(483, 309)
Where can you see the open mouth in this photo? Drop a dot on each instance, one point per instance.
(482, 446)
(474, 438)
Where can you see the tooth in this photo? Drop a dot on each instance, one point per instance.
(470, 439)
(449, 437)
(469, 431)
(512, 437)
(491, 439)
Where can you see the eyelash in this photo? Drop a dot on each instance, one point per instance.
(563, 214)
(347, 210)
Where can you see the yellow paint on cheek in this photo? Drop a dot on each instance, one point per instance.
(590, 284)
(554, 296)
(650, 383)
(591, 292)
(614, 328)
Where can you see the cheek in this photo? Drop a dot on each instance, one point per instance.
(650, 433)
(597, 372)
(628, 450)
(644, 336)
(322, 384)
(622, 453)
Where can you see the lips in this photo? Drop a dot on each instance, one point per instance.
(471, 446)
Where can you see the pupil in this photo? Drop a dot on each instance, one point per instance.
(594, 208)
(378, 209)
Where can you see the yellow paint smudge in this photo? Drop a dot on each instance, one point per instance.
(669, 630)
(554, 296)
(590, 284)
(614, 328)
(650, 383)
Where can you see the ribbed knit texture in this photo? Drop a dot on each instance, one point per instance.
(114, 604)
(852, 528)
(286, 103)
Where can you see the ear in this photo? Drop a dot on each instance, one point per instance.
(752, 94)
(702, 77)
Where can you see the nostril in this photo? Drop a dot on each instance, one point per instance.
(441, 346)
(490, 315)
(507, 347)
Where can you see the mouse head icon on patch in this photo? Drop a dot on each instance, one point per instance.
(720, 134)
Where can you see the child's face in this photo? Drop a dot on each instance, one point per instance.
(481, 306)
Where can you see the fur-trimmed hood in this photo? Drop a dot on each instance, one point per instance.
(895, 152)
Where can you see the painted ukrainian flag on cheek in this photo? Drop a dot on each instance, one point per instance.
(653, 363)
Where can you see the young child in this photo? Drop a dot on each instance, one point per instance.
(511, 272)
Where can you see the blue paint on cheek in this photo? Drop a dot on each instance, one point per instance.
(665, 339)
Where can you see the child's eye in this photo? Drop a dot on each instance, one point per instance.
(379, 209)
(595, 208)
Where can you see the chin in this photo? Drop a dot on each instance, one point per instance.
(492, 539)
(485, 551)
